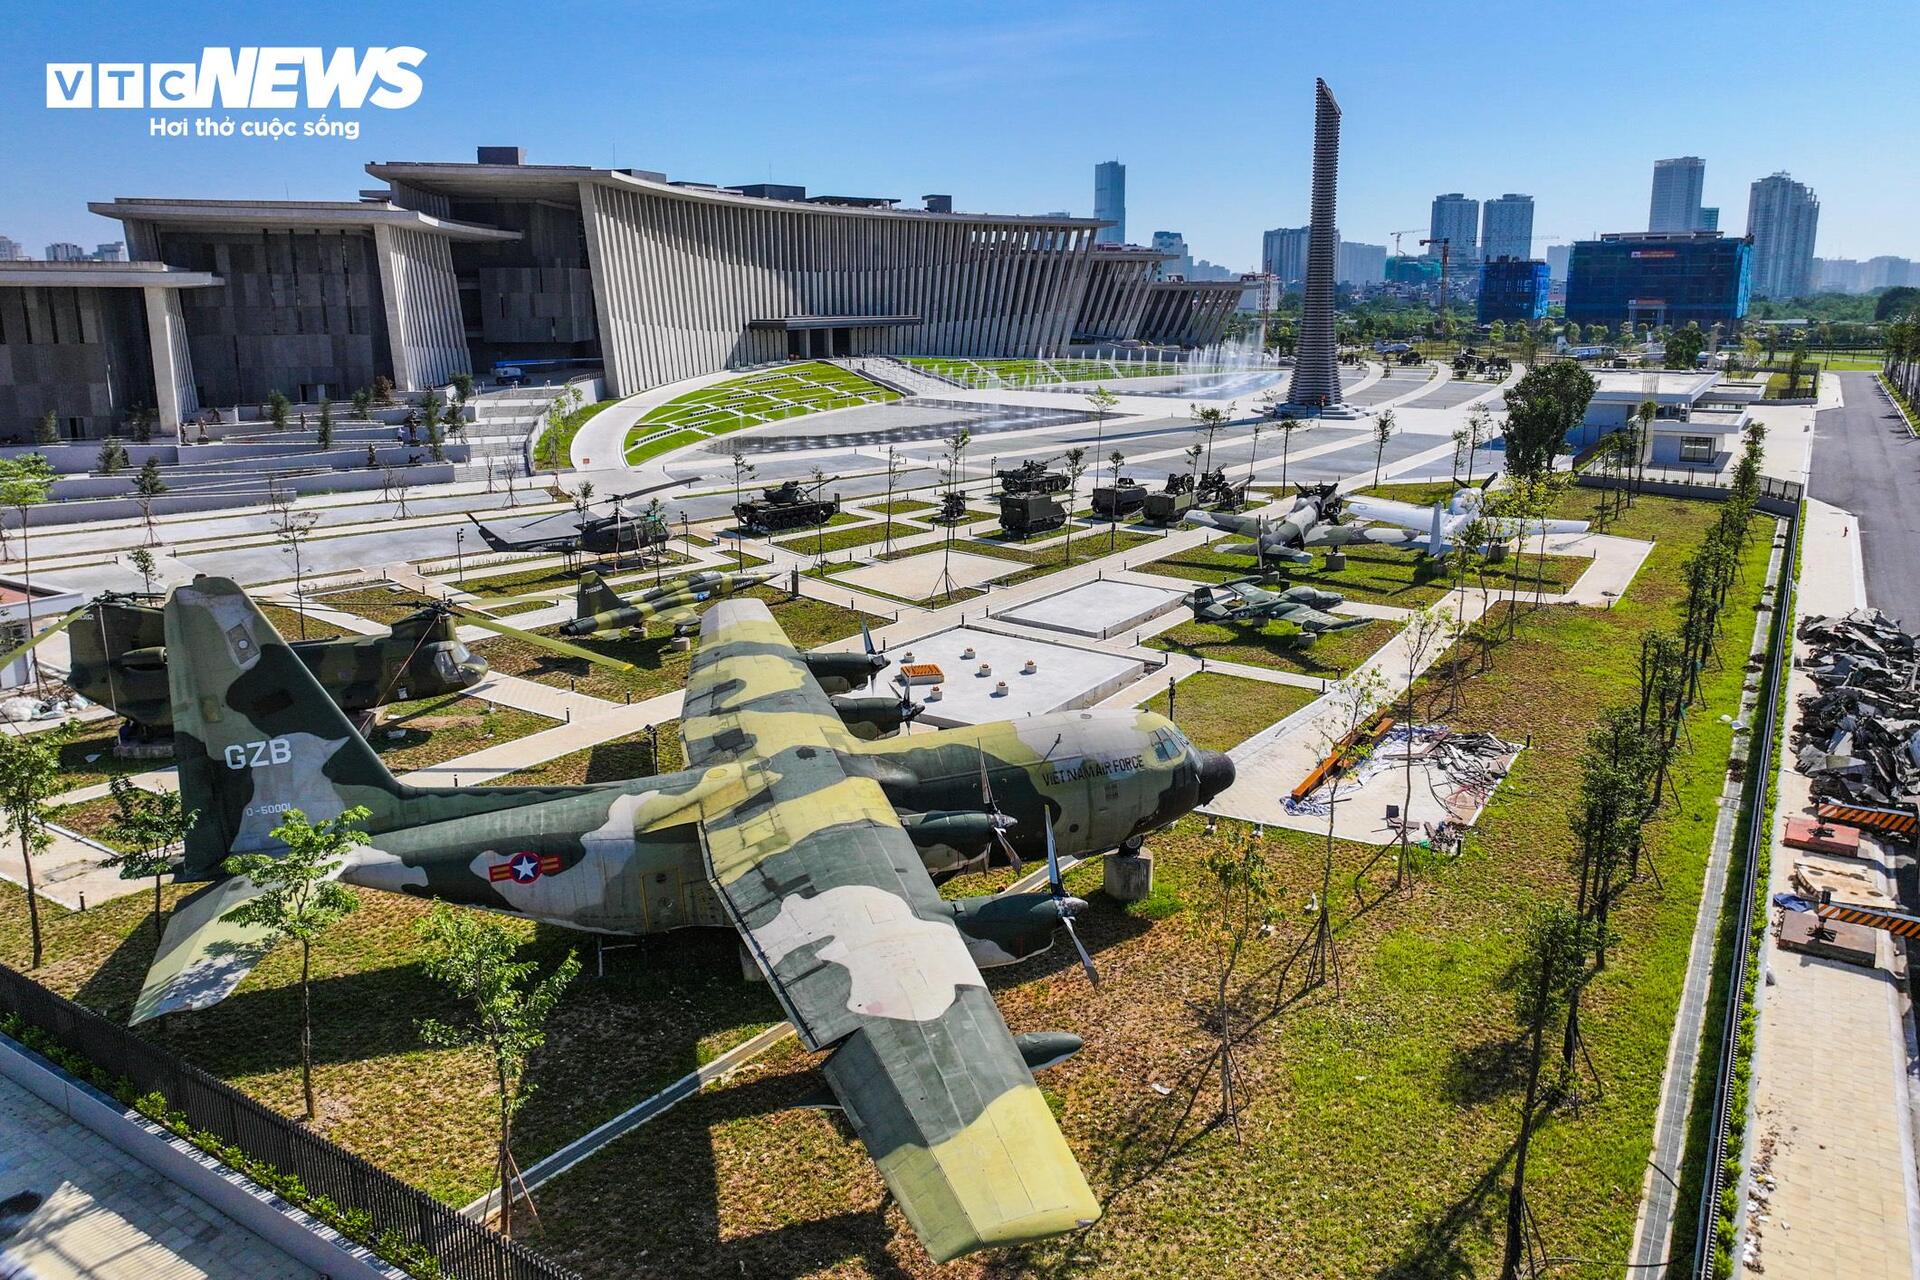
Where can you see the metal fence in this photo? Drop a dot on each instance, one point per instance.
(466, 1250)
(1759, 775)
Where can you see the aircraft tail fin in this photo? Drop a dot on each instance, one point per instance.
(593, 595)
(256, 735)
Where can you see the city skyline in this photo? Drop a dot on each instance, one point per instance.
(1001, 72)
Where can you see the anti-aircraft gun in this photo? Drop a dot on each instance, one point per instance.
(791, 505)
(1215, 490)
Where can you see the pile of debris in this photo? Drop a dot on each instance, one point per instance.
(1460, 770)
(1859, 734)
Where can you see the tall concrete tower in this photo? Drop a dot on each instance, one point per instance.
(1316, 372)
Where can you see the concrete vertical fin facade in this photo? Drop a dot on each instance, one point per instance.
(172, 361)
(1316, 372)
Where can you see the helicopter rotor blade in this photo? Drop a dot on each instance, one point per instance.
(7, 659)
(539, 641)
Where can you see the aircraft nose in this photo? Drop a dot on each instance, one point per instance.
(1216, 774)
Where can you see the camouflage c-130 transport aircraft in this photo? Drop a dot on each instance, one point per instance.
(813, 845)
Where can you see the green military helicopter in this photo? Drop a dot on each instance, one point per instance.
(119, 659)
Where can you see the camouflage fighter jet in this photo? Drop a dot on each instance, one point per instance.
(1249, 600)
(599, 608)
(813, 845)
(1311, 521)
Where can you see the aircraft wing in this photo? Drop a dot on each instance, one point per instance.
(1388, 511)
(677, 615)
(1309, 619)
(837, 910)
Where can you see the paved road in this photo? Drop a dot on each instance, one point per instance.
(1864, 461)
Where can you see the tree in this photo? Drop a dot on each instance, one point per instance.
(1209, 420)
(1542, 407)
(149, 824)
(1115, 460)
(363, 405)
(1796, 369)
(1076, 467)
(430, 413)
(1382, 432)
(742, 472)
(1684, 347)
(1556, 940)
(299, 899)
(113, 456)
(26, 482)
(277, 408)
(30, 775)
(1902, 302)
(47, 429)
(147, 486)
(140, 424)
(893, 475)
(1287, 425)
(1242, 907)
(324, 436)
(1351, 702)
(142, 561)
(1425, 628)
(819, 479)
(474, 956)
(955, 473)
(292, 531)
(462, 384)
(382, 389)
(1102, 402)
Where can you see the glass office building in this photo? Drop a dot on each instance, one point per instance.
(1698, 277)
(1513, 289)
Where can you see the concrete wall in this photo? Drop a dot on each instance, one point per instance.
(427, 341)
(243, 493)
(677, 282)
(82, 353)
(298, 310)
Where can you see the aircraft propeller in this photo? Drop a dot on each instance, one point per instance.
(876, 658)
(1000, 820)
(1068, 907)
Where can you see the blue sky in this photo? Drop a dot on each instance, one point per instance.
(1008, 106)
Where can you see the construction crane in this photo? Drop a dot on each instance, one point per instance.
(1411, 231)
(1446, 314)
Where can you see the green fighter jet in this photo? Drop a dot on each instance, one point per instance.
(599, 608)
(1252, 601)
(816, 847)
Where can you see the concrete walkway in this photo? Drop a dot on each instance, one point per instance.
(105, 1216)
(1831, 1125)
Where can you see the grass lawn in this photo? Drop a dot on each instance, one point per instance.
(88, 760)
(374, 601)
(622, 758)
(287, 622)
(1220, 712)
(899, 507)
(766, 395)
(661, 444)
(1379, 1119)
(554, 449)
(1276, 645)
(1373, 573)
(91, 818)
(659, 667)
(555, 576)
(842, 539)
(430, 731)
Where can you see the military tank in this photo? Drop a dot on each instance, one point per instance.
(791, 505)
(1031, 476)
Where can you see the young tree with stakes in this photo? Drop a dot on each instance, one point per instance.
(300, 899)
(1351, 702)
(1115, 460)
(1287, 425)
(149, 824)
(1076, 459)
(278, 407)
(1242, 907)
(25, 483)
(893, 475)
(1383, 427)
(956, 461)
(141, 561)
(1541, 980)
(474, 956)
(742, 472)
(1209, 420)
(148, 486)
(29, 777)
(1424, 629)
(1102, 402)
(323, 435)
